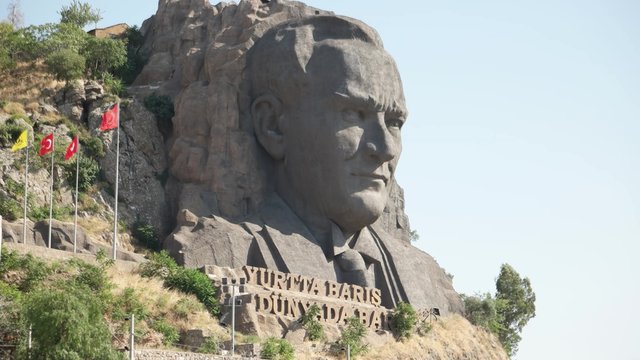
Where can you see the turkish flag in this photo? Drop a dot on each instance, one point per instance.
(72, 148)
(46, 145)
(110, 119)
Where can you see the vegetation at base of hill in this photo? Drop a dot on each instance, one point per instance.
(76, 310)
(146, 235)
(506, 313)
(277, 349)
(403, 320)
(311, 324)
(190, 281)
(352, 336)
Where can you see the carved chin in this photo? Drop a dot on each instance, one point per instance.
(363, 209)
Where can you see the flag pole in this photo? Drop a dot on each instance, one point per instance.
(115, 208)
(75, 216)
(26, 187)
(51, 194)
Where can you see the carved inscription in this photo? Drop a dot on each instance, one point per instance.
(363, 302)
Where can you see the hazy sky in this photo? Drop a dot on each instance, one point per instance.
(522, 146)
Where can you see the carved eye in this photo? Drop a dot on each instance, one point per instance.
(394, 123)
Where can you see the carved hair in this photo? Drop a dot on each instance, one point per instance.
(277, 62)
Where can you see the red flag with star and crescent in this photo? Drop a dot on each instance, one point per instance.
(46, 145)
(72, 148)
(109, 119)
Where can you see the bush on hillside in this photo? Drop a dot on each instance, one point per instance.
(352, 336)
(103, 54)
(190, 281)
(277, 349)
(67, 322)
(506, 313)
(66, 64)
(403, 320)
(311, 324)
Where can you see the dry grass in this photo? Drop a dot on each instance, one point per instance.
(182, 311)
(25, 83)
(451, 337)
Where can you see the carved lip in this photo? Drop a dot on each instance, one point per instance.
(374, 176)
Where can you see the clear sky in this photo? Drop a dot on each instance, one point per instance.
(522, 146)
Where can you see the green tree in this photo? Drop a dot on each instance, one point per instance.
(67, 323)
(353, 336)
(66, 64)
(6, 41)
(79, 13)
(515, 306)
(481, 310)
(103, 54)
(403, 320)
(309, 320)
(506, 313)
(277, 349)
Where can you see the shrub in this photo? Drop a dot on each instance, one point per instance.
(93, 145)
(136, 57)
(146, 234)
(277, 349)
(508, 312)
(113, 85)
(103, 54)
(162, 107)
(170, 334)
(39, 213)
(403, 320)
(423, 328)
(67, 323)
(209, 346)
(87, 174)
(190, 281)
(127, 303)
(193, 281)
(353, 335)
(187, 306)
(309, 320)
(160, 265)
(9, 208)
(66, 64)
(480, 310)
(9, 133)
(32, 271)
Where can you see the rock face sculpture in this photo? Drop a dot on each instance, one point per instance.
(286, 138)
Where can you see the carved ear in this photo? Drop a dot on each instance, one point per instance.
(265, 112)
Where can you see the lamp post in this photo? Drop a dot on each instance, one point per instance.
(226, 285)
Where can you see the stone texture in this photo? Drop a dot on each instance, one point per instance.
(142, 165)
(220, 173)
(61, 238)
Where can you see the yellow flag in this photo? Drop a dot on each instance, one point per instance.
(22, 141)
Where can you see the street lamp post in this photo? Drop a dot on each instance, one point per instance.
(226, 285)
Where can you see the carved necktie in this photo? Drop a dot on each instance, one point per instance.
(353, 267)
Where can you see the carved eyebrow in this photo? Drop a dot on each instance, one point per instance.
(370, 101)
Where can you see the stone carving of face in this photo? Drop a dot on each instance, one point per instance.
(341, 135)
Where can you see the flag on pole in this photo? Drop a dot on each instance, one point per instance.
(110, 119)
(72, 148)
(22, 141)
(46, 145)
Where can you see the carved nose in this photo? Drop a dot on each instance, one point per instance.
(380, 143)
